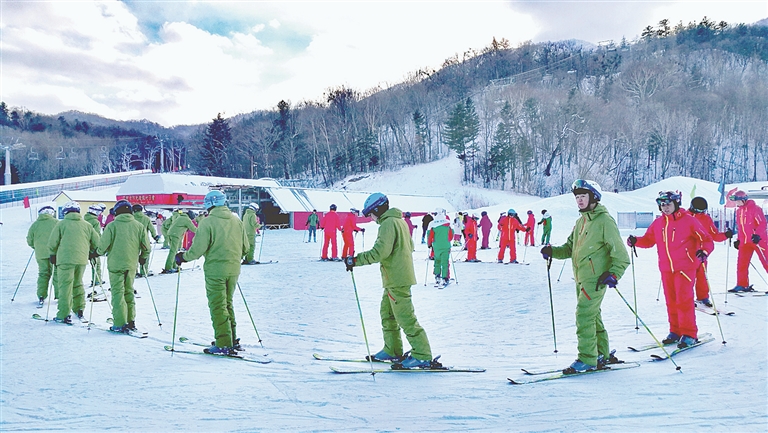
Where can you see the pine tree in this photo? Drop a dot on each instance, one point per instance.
(461, 130)
(215, 146)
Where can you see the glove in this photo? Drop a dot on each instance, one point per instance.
(470, 236)
(527, 229)
(362, 230)
(52, 259)
(546, 252)
(157, 238)
(350, 263)
(631, 241)
(755, 239)
(179, 258)
(729, 233)
(702, 255)
(736, 244)
(93, 255)
(608, 279)
(142, 260)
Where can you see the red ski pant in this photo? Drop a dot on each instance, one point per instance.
(678, 292)
(529, 237)
(745, 256)
(702, 288)
(349, 244)
(472, 248)
(330, 237)
(512, 249)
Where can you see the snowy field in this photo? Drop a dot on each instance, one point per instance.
(57, 377)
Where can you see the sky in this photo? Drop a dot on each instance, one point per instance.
(182, 62)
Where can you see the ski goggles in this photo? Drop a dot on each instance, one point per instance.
(664, 201)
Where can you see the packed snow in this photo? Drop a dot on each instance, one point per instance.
(57, 377)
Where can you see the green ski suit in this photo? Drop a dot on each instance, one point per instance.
(148, 227)
(37, 238)
(439, 239)
(175, 235)
(594, 246)
(166, 227)
(221, 238)
(71, 241)
(125, 240)
(251, 224)
(96, 274)
(393, 249)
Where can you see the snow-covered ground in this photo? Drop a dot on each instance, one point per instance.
(56, 377)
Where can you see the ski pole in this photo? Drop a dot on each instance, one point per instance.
(632, 256)
(727, 265)
(525, 251)
(22, 275)
(426, 268)
(453, 262)
(365, 335)
(103, 292)
(50, 295)
(363, 241)
(561, 271)
(658, 293)
(551, 304)
(758, 272)
(90, 315)
(677, 367)
(261, 246)
(302, 236)
(249, 314)
(712, 298)
(175, 312)
(151, 295)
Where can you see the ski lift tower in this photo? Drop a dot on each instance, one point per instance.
(8, 148)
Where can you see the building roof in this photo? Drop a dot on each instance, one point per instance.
(169, 183)
(291, 199)
(103, 195)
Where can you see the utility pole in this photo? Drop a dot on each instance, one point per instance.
(8, 148)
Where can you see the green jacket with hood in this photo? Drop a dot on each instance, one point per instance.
(39, 233)
(146, 223)
(72, 240)
(222, 240)
(93, 220)
(124, 239)
(393, 249)
(180, 226)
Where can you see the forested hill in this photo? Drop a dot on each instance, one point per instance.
(686, 100)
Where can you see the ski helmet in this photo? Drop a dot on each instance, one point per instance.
(666, 197)
(739, 195)
(71, 206)
(122, 206)
(483, 213)
(530, 212)
(354, 211)
(698, 205)
(511, 212)
(543, 211)
(214, 198)
(138, 208)
(376, 203)
(102, 206)
(191, 215)
(407, 214)
(333, 207)
(582, 186)
(254, 206)
(94, 209)
(46, 210)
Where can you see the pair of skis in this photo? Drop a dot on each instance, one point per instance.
(134, 334)
(240, 355)
(392, 367)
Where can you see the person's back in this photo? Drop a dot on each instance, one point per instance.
(222, 240)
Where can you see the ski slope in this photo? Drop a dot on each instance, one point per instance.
(57, 377)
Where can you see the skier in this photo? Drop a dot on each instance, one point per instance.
(37, 238)
(348, 231)
(175, 237)
(599, 259)
(251, 224)
(110, 217)
(166, 228)
(124, 240)
(752, 237)
(507, 226)
(72, 242)
(312, 223)
(92, 218)
(425, 220)
(411, 225)
(439, 240)
(682, 245)
(546, 223)
(394, 251)
(138, 215)
(698, 209)
(530, 226)
(159, 220)
(222, 239)
(485, 225)
(329, 226)
(458, 228)
(471, 233)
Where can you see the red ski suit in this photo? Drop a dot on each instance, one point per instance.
(348, 231)
(485, 225)
(531, 225)
(470, 231)
(750, 221)
(507, 227)
(677, 238)
(702, 288)
(329, 225)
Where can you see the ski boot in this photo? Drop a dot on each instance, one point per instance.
(579, 367)
(672, 338)
(67, 320)
(740, 289)
(412, 363)
(602, 362)
(222, 351)
(686, 341)
(383, 356)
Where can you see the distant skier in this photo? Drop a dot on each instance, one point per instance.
(411, 225)
(682, 245)
(425, 220)
(92, 218)
(698, 209)
(123, 240)
(546, 224)
(166, 228)
(312, 222)
(394, 250)
(599, 259)
(175, 238)
(458, 229)
(485, 226)
(471, 233)
(149, 228)
(348, 231)
(251, 225)
(530, 225)
(752, 237)
(329, 225)
(507, 226)
(439, 240)
(222, 239)
(37, 238)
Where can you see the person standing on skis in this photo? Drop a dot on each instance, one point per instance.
(485, 226)
(411, 225)
(546, 224)
(507, 226)
(92, 218)
(752, 237)
(530, 226)
(599, 259)
(698, 209)
(682, 245)
(471, 232)
(176, 233)
(348, 231)
(329, 226)
(141, 218)
(393, 249)
(439, 239)
(222, 239)
(425, 220)
(37, 238)
(312, 222)
(251, 224)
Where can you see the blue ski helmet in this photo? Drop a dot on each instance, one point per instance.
(376, 203)
(511, 212)
(71, 206)
(214, 198)
(122, 206)
(582, 186)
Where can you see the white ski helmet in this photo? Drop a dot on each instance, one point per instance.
(46, 210)
(583, 186)
(71, 206)
(95, 209)
(254, 206)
